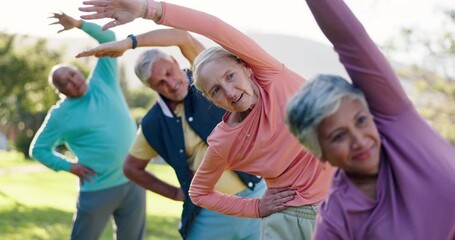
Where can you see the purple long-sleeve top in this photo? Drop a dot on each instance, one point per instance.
(416, 182)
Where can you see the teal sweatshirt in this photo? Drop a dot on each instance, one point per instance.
(96, 127)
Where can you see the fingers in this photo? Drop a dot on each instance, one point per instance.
(84, 54)
(111, 24)
(275, 200)
(99, 3)
(96, 12)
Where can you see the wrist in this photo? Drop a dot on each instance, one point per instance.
(133, 41)
(151, 7)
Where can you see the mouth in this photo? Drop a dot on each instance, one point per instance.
(238, 99)
(176, 87)
(364, 155)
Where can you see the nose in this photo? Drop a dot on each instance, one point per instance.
(357, 140)
(230, 93)
(172, 83)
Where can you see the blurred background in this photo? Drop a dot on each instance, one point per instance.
(418, 36)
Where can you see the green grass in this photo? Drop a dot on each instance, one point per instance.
(10, 159)
(40, 205)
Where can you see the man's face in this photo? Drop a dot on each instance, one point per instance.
(168, 79)
(69, 82)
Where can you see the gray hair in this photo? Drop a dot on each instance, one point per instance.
(318, 99)
(144, 64)
(207, 56)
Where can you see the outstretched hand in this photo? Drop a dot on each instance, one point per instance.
(66, 21)
(274, 200)
(110, 49)
(122, 11)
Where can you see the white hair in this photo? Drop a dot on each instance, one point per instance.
(318, 99)
(144, 64)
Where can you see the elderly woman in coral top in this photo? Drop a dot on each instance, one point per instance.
(252, 137)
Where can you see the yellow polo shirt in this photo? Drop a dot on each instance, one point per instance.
(229, 182)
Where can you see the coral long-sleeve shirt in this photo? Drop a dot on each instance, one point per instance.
(416, 182)
(261, 144)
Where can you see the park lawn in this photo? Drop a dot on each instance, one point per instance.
(40, 206)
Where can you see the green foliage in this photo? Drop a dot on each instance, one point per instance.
(138, 114)
(436, 90)
(142, 97)
(25, 93)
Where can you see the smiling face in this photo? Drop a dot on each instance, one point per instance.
(168, 79)
(349, 139)
(227, 83)
(69, 81)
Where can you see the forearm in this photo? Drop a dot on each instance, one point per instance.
(44, 142)
(95, 31)
(48, 157)
(219, 31)
(187, 44)
(202, 190)
(134, 168)
(154, 184)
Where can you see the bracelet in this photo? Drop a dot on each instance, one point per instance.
(133, 38)
(150, 10)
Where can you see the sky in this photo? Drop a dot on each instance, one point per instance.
(382, 18)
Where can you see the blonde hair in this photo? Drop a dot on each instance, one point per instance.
(206, 56)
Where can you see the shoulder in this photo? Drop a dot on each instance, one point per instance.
(339, 195)
(153, 114)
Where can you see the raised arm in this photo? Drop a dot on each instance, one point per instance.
(368, 68)
(124, 11)
(94, 30)
(188, 45)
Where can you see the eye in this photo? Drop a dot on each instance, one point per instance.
(362, 120)
(230, 76)
(338, 137)
(215, 91)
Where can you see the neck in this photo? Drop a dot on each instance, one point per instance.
(243, 115)
(171, 104)
(362, 178)
(365, 183)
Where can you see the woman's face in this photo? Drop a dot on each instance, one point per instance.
(349, 139)
(228, 84)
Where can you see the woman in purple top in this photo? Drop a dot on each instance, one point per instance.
(396, 177)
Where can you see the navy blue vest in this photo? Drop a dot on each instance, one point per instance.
(165, 136)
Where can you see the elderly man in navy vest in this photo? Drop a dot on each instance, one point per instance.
(176, 128)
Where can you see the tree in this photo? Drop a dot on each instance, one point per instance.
(434, 76)
(25, 93)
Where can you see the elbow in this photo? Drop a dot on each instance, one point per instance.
(128, 170)
(195, 197)
(34, 152)
(31, 151)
